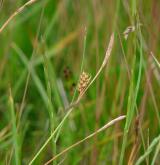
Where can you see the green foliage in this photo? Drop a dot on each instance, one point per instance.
(43, 51)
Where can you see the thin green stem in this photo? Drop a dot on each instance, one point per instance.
(16, 140)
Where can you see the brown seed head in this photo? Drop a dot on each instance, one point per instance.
(83, 82)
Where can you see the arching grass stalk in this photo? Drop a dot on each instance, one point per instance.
(19, 10)
(112, 122)
(70, 108)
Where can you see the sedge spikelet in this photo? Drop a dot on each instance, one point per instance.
(83, 82)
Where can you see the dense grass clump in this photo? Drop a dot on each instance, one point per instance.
(79, 82)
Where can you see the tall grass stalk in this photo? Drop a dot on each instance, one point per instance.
(16, 138)
(81, 70)
(107, 55)
(133, 89)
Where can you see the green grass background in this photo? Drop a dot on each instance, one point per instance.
(42, 52)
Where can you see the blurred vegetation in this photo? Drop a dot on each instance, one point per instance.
(41, 54)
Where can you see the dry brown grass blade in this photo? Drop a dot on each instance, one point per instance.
(19, 10)
(112, 122)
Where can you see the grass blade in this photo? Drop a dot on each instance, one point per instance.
(149, 150)
(16, 140)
